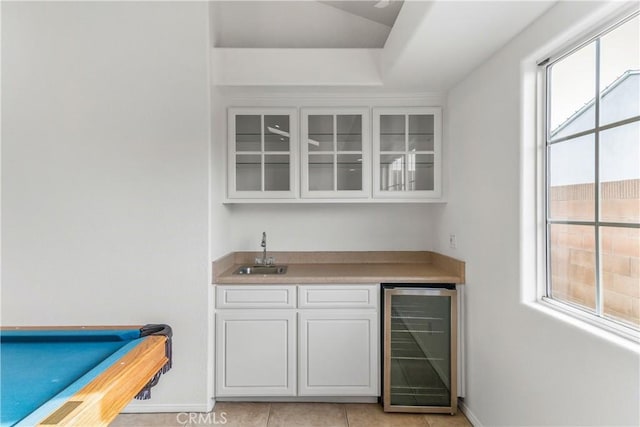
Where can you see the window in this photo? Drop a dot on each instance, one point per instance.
(592, 185)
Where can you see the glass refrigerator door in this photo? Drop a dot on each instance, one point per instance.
(420, 350)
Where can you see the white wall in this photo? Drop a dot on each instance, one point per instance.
(105, 174)
(524, 366)
(331, 227)
(296, 67)
(318, 227)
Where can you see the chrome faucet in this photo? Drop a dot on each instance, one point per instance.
(263, 244)
(264, 260)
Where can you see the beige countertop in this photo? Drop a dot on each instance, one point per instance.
(345, 267)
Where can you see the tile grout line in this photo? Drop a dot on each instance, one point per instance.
(346, 416)
(268, 415)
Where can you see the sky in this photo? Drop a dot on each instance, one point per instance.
(573, 78)
(572, 86)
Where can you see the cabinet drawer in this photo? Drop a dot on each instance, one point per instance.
(255, 296)
(338, 296)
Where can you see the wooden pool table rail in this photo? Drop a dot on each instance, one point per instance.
(100, 401)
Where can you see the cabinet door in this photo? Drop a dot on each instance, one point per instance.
(335, 152)
(262, 146)
(338, 353)
(255, 353)
(406, 150)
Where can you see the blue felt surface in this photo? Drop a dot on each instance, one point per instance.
(67, 335)
(33, 371)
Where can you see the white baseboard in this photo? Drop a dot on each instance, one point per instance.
(140, 408)
(329, 399)
(475, 422)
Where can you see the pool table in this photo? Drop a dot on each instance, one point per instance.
(78, 375)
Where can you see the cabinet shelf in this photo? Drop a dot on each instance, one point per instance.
(415, 163)
(331, 133)
(329, 152)
(331, 163)
(405, 133)
(415, 358)
(270, 164)
(406, 153)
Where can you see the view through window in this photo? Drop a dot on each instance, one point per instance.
(593, 175)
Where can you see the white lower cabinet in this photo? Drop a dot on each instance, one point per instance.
(328, 350)
(337, 353)
(256, 352)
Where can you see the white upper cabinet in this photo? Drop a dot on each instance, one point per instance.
(407, 153)
(262, 153)
(335, 153)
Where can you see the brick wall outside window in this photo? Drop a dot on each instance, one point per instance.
(572, 248)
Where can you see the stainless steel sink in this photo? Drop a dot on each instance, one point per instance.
(261, 269)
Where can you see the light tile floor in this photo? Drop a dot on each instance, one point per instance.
(255, 414)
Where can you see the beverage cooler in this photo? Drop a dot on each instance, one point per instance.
(419, 348)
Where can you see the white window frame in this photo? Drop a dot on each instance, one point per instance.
(544, 290)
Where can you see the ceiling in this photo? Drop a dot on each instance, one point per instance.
(415, 45)
(383, 12)
(449, 39)
(303, 24)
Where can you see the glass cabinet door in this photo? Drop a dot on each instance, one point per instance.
(407, 152)
(335, 152)
(261, 153)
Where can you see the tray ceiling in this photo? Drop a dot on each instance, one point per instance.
(406, 46)
(303, 24)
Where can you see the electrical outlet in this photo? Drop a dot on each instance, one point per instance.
(452, 241)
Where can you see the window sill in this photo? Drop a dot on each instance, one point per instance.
(610, 331)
